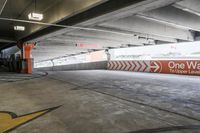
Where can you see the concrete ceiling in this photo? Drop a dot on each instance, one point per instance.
(144, 22)
(53, 11)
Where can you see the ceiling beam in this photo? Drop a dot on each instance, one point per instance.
(173, 17)
(111, 10)
(98, 10)
(124, 39)
(7, 40)
(60, 10)
(191, 6)
(61, 48)
(143, 26)
(80, 39)
(52, 51)
(143, 6)
(7, 45)
(139, 35)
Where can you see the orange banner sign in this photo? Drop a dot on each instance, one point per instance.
(187, 67)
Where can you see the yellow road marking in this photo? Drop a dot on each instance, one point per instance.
(10, 121)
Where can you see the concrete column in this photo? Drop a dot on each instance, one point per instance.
(27, 60)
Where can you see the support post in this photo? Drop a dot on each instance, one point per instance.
(27, 60)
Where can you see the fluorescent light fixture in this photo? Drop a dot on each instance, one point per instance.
(19, 28)
(35, 16)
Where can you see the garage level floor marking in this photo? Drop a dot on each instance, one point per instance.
(87, 111)
(10, 121)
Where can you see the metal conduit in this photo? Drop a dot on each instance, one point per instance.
(3, 6)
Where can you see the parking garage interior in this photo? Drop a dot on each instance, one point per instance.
(99, 66)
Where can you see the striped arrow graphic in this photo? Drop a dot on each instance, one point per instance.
(155, 67)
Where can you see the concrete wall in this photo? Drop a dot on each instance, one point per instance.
(8, 52)
(81, 66)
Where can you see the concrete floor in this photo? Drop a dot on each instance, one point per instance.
(105, 102)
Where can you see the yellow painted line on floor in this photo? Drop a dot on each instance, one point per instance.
(10, 121)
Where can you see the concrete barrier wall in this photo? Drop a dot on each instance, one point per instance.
(81, 66)
(184, 67)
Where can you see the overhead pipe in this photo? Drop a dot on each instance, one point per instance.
(3, 6)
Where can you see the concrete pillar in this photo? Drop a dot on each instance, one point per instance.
(27, 60)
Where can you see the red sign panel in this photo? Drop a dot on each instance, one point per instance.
(187, 67)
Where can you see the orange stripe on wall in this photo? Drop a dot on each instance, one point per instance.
(184, 67)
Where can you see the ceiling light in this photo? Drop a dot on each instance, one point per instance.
(35, 16)
(19, 28)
